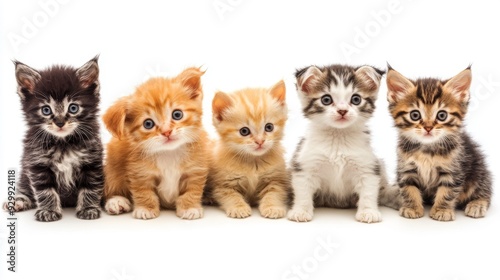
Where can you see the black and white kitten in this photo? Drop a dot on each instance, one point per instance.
(62, 160)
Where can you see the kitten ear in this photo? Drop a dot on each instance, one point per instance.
(114, 118)
(221, 102)
(191, 79)
(460, 84)
(278, 92)
(88, 74)
(369, 77)
(26, 77)
(397, 86)
(306, 79)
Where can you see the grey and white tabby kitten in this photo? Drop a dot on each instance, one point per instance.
(62, 160)
(334, 165)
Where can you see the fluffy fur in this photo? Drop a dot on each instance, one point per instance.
(334, 165)
(62, 159)
(157, 157)
(247, 166)
(438, 163)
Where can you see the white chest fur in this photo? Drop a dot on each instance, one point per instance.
(65, 166)
(337, 160)
(169, 165)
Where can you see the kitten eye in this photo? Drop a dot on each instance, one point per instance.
(326, 99)
(356, 99)
(442, 115)
(415, 115)
(177, 115)
(73, 108)
(269, 127)
(148, 124)
(46, 110)
(245, 131)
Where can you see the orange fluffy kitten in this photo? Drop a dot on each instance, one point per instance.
(248, 167)
(157, 157)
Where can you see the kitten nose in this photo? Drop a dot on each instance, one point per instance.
(260, 142)
(342, 112)
(167, 133)
(59, 123)
(428, 128)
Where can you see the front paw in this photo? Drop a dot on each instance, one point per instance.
(476, 209)
(273, 212)
(43, 215)
(145, 213)
(190, 213)
(117, 205)
(90, 213)
(239, 212)
(443, 215)
(300, 215)
(369, 216)
(21, 203)
(411, 213)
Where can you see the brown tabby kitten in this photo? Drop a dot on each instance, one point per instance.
(438, 163)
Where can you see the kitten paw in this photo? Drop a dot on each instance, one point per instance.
(300, 215)
(411, 213)
(118, 205)
(443, 215)
(145, 214)
(21, 203)
(190, 213)
(90, 213)
(476, 209)
(369, 216)
(239, 212)
(47, 215)
(273, 212)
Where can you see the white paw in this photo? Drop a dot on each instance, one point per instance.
(145, 213)
(20, 205)
(300, 215)
(190, 214)
(369, 216)
(117, 205)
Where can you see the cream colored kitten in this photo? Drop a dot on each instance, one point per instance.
(247, 166)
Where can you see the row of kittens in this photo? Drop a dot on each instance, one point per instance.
(160, 155)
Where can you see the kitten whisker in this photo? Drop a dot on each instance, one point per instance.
(56, 157)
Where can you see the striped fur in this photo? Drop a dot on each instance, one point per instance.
(62, 159)
(438, 163)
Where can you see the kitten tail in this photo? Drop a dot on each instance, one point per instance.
(389, 193)
(389, 196)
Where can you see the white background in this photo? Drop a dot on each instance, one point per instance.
(254, 43)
